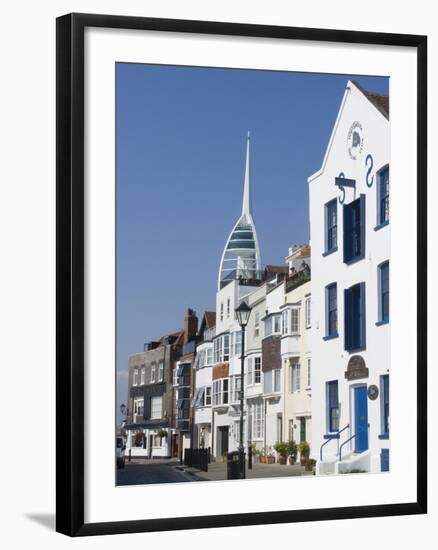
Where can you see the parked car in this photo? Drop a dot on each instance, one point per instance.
(120, 452)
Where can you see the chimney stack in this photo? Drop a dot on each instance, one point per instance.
(190, 325)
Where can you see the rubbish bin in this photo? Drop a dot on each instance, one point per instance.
(235, 465)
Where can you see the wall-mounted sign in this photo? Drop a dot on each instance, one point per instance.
(271, 353)
(373, 392)
(356, 368)
(355, 140)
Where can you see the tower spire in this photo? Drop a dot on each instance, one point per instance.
(246, 204)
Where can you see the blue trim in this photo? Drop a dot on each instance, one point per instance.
(356, 350)
(354, 260)
(380, 225)
(362, 225)
(355, 318)
(384, 460)
(328, 252)
(383, 436)
(331, 436)
(363, 317)
(352, 213)
(332, 337)
(380, 323)
(342, 181)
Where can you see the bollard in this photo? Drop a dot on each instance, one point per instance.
(249, 457)
(129, 456)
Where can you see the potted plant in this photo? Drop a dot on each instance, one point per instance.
(292, 451)
(162, 433)
(311, 465)
(256, 453)
(270, 458)
(263, 456)
(304, 449)
(281, 448)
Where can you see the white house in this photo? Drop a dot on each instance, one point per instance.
(296, 357)
(203, 382)
(350, 240)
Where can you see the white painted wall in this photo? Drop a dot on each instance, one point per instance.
(329, 359)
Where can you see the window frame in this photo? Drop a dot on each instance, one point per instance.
(153, 372)
(160, 370)
(257, 370)
(285, 322)
(295, 374)
(153, 399)
(382, 319)
(136, 406)
(293, 310)
(380, 222)
(384, 407)
(208, 396)
(350, 331)
(327, 228)
(331, 406)
(329, 334)
(349, 230)
(308, 311)
(256, 324)
(257, 418)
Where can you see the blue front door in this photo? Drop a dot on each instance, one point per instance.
(360, 419)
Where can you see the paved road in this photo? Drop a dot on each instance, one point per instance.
(151, 472)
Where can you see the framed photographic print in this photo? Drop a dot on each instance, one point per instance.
(241, 274)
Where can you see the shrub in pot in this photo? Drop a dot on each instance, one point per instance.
(291, 451)
(304, 449)
(281, 448)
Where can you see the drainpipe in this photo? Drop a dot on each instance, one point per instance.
(192, 390)
(283, 397)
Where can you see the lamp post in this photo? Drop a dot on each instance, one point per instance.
(243, 312)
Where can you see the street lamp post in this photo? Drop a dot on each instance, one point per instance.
(243, 312)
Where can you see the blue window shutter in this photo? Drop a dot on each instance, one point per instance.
(362, 225)
(347, 318)
(347, 229)
(363, 323)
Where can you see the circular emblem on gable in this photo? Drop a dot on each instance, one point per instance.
(373, 392)
(355, 140)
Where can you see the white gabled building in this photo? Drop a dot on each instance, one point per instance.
(202, 395)
(350, 240)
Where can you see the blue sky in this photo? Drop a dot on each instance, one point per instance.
(181, 137)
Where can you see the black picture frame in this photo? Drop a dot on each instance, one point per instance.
(70, 273)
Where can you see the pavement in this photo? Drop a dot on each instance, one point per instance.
(142, 471)
(217, 471)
